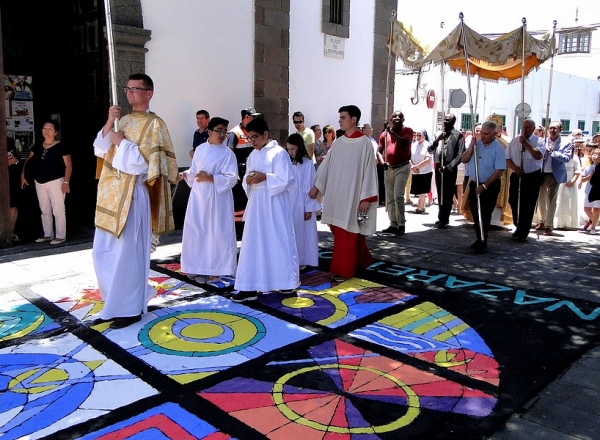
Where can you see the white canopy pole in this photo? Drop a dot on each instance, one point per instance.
(111, 63)
(547, 123)
(468, 71)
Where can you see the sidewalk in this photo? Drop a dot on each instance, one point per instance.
(565, 265)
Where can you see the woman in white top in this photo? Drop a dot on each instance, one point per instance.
(567, 215)
(421, 168)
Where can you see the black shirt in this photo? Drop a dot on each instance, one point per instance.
(48, 162)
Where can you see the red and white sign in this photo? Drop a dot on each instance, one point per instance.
(430, 99)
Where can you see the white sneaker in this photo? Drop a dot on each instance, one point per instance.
(593, 232)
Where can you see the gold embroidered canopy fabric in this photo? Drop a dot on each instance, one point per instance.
(493, 59)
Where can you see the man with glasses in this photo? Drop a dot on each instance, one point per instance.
(395, 143)
(524, 156)
(307, 134)
(491, 163)
(554, 172)
(133, 201)
(240, 144)
(268, 255)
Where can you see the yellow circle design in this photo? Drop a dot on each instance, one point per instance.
(207, 330)
(413, 403)
(299, 302)
(162, 334)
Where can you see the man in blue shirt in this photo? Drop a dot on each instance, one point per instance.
(491, 163)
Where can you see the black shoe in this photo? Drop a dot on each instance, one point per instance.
(390, 230)
(401, 230)
(519, 239)
(287, 291)
(338, 279)
(441, 225)
(244, 295)
(478, 243)
(125, 322)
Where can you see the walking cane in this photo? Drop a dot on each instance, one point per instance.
(468, 71)
(111, 63)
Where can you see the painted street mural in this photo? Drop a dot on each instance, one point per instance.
(400, 353)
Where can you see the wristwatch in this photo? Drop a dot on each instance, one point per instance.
(484, 187)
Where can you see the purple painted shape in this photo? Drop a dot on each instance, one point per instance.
(334, 374)
(290, 389)
(476, 406)
(241, 384)
(326, 349)
(355, 418)
(322, 309)
(397, 400)
(436, 403)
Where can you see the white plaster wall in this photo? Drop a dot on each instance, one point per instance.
(320, 85)
(572, 98)
(201, 56)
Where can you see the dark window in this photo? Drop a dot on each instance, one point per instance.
(566, 125)
(336, 9)
(465, 121)
(336, 18)
(575, 42)
(595, 127)
(581, 125)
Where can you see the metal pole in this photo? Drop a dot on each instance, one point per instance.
(443, 147)
(387, 79)
(524, 21)
(468, 70)
(112, 67)
(547, 122)
(474, 123)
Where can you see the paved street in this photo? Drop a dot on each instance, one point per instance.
(432, 342)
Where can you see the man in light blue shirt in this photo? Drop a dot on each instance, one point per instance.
(525, 156)
(485, 184)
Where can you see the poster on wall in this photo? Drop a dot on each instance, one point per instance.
(23, 141)
(22, 108)
(18, 87)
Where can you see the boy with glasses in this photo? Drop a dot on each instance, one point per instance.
(268, 255)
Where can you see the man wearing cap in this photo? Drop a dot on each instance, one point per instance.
(238, 141)
(307, 134)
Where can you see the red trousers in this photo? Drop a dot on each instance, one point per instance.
(350, 253)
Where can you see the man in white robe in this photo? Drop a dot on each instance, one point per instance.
(268, 255)
(133, 199)
(347, 179)
(208, 244)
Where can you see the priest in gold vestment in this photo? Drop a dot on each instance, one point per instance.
(133, 200)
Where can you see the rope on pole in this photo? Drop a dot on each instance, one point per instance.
(468, 71)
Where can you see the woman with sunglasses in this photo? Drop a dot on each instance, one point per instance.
(325, 145)
(50, 164)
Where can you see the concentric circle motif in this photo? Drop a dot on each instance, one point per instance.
(201, 333)
(412, 403)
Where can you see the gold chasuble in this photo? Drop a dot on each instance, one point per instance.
(115, 193)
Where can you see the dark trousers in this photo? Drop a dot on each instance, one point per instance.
(488, 202)
(522, 213)
(445, 193)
